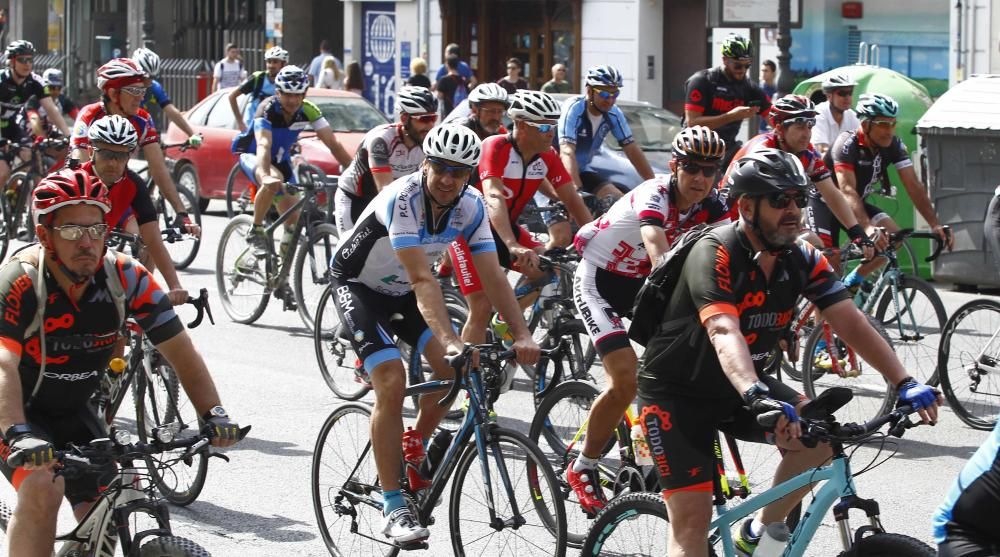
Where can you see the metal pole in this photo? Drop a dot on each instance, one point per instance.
(147, 24)
(785, 81)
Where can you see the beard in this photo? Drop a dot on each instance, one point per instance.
(784, 233)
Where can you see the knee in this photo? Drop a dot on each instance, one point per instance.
(39, 496)
(622, 381)
(560, 234)
(389, 383)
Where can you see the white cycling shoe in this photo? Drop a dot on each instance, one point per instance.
(402, 528)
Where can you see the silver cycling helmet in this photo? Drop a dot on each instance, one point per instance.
(489, 92)
(416, 100)
(148, 60)
(533, 105)
(276, 53)
(114, 130)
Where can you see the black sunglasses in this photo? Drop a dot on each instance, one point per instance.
(783, 200)
(694, 168)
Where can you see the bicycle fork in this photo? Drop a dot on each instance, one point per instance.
(840, 514)
(516, 521)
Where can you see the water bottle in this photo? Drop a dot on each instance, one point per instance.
(286, 240)
(501, 330)
(435, 453)
(414, 456)
(640, 447)
(773, 540)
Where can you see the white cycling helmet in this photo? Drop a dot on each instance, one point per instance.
(453, 143)
(414, 99)
(532, 105)
(52, 77)
(489, 92)
(276, 53)
(291, 79)
(838, 81)
(148, 60)
(114, 130)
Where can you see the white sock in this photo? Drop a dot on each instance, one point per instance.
(584, 463)
(756, 528)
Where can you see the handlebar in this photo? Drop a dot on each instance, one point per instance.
(815, 430)
(854, 252)
(493, 353)
(201, 304)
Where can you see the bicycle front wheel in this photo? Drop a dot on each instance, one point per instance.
(528, 517)
(913, 318)
(969, 363)
(184, 250)
(336, 358)
(890, 545)
(241, 275)
(172, 546)
(312, 270)
(635, 524)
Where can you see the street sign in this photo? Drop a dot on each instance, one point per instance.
(750, 13)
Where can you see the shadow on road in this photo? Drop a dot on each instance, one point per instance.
(229, 522)
(296, 331)
(276, 448)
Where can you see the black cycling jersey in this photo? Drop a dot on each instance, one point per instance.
(721, 276)
(710, 92)
(850, 151)
(12, 97)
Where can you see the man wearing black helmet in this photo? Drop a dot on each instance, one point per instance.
(738, 287)
(721, 98)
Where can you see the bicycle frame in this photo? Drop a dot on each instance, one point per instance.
(308, 203)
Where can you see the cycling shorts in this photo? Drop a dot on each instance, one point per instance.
(367, 315)
(603, 298)
(681, 432)
(248, 162)
(461, 259)
(79, 428)
(346, 210)
(966, 544)
(820, 219)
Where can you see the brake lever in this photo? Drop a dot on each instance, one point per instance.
(901, 426)
(201, 304)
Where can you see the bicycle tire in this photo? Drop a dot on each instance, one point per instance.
(243, 202)
(5, 514)
(184, 250)
(328, 487)
(623, 515)
(338, 377)
(885, 544)
(541, 499)
(311, 271)
(11, 213)
(241, 267)
(967, 342)
(5, 218)
(917, 349)
(172, 546)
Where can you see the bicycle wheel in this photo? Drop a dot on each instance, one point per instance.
(172, 546)
(9, 210)
(635, 524)
(529, 514)
(241, 276)
(158, 403)
(312, 269)
(183, 251)
(336, 358)
(346, 492)
(241, 202)
(873, 395)
(969, 362)
(914, 318)
(890, 545)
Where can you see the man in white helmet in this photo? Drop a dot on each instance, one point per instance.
(259, 86)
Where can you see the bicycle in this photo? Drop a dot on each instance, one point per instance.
(969, 361)
(237, 265)
(128, 502)
(15, 214)
(637, 523)
(518, 503)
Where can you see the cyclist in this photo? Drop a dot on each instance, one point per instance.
(583, 125)
(47, 383)
(382, 267)
(487, 103)
(260, 85)
(149, 61)
(618, 251)
(386, 153)
(34, 119)
(859, 160)
(123, 84)
(834, 115)
(722, 97)
(511, 169)
(17, 84)
(703, 370)
(965, 524)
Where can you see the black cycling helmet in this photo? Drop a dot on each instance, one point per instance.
(19, 48)
(767, 171)
(736, 46)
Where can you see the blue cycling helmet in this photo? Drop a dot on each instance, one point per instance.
(604, 76)
(875, 105)
(291, 79)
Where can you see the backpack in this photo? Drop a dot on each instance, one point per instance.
(258, 83)
(654, 296)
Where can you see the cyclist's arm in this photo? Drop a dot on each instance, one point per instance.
(176, 117)
(381, 179)
(567, 153)
(731, 347)
(35, 121)
(161, 176)
(694, 118)
(429, 298)
(853, 327)
(847, 182)
(836, 200)
(496, 208)
(234, 105)
(329, 139)
(499, 292)
(655, 240)
(11, 404)
(55, 115)
(264, 138)
(153, 240)
(191, 370)
(639, 161)
(574, 204)
(918, 195)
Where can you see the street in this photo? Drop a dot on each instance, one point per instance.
(260, 503)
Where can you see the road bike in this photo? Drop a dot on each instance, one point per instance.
(969, 363)
(15, 213)
(504, 496)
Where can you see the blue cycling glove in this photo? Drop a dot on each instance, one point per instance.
(916, 394)
(768, 410)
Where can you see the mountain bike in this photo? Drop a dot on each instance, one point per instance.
(511, 505)
(969, 363)
(637, 523)
(15, 212)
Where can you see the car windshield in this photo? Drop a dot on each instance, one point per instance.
(653, 128)
(346, 114)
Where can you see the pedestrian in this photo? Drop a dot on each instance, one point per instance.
(354, 82)
(767, 84)
(317, 64)
(513, 80)
(834, 115)
(463, 69)
(558, 83)
(331, 77)
(229, 71)
(418, 74)
(452, 88)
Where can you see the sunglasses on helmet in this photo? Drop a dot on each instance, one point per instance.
(783, 199)
(73, 232)
(694, 168)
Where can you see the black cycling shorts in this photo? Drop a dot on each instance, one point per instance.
(680, 431)
(368, 317)
(960, 543)
(79, 428)
(820, 220)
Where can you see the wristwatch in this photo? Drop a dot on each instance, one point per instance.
(757, 390)
(16, 431)
(215, 412)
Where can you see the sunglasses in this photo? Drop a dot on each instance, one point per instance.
(741, 65)
(117, 156)
(844, 92)
(607, 93)
(543, 128)
(809, 122)
(442, 167)
(73, 232)
(25, 59)
(134, 91)
(513, 68)
(884, 123)
(783, 200)
(695, 168)
(424, 117)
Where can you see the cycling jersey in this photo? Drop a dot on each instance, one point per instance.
(89, 114)
(80, 335)
(614, 241)
(397, 219)
(710, 92)
(13, 95)
(382, 150)
(850, 152)
(502, 159)
(128, 196)
(155, 95)
(972, 505)
(34, 106)
(284, 132)
(810, 158)
(578, 127)
(259, 86)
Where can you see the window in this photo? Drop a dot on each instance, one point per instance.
(198, 114)
(221, 115)
(349, 114)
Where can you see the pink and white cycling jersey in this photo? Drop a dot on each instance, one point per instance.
(613, 242)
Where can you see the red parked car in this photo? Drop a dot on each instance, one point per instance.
(205, 171)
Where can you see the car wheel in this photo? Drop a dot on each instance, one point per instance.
(187, 177)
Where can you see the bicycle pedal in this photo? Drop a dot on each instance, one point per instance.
(413, 546)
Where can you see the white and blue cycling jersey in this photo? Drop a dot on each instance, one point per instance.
(587, 132)
(398, 218)
(973, 502)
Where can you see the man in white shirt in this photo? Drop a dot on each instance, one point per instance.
(835, 115)
(229, 71)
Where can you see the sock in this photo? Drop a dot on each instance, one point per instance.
(392, 500)
(584, 463)
(756, 528)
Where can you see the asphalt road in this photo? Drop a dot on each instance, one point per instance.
(260, 503)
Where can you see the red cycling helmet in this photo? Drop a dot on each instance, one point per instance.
(69, 187)
(120, 72)
(791, 106)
